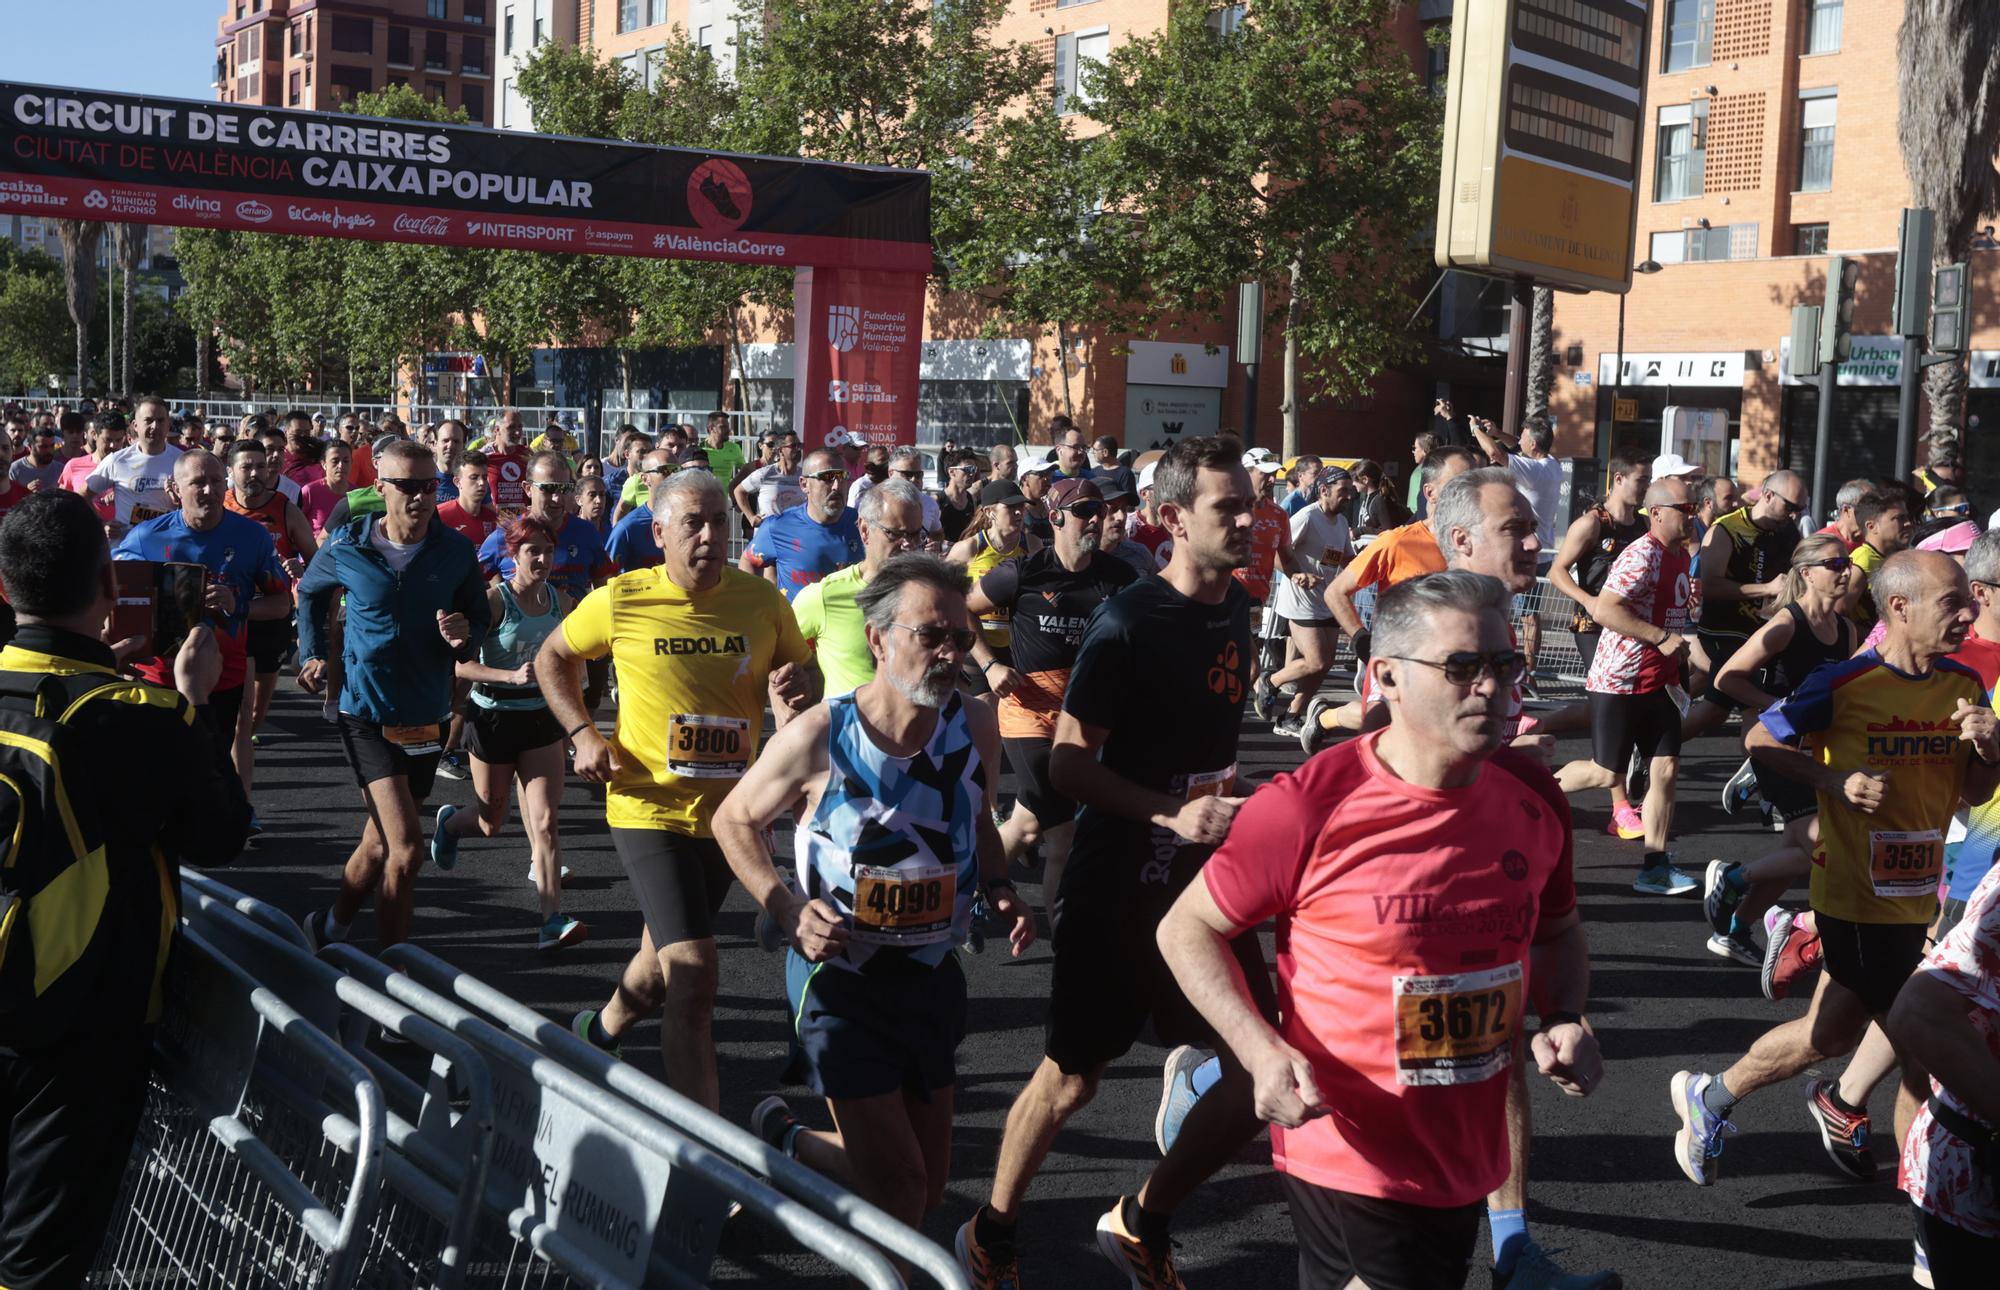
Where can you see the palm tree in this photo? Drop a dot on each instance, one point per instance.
(1541, 352)
(1948, 66)
(80, 238)
(128, 247)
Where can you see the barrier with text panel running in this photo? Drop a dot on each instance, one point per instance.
(652, 1210)
(212, 1195)
(440, 1132)
(858, 1220)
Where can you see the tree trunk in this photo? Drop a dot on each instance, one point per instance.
(1062, 367)
(1290, 408)
(134, 252)
(79, 244)
(202, 341)
(1541, 352)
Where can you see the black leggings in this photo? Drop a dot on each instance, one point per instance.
(1959, 1259)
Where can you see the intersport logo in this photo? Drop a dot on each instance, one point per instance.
(422, 226)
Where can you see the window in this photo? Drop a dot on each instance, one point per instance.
(656, 12)
(473, 100)
(475, 11)
(506, 102)
(353, 36)
(1225, 21)
(472, 56)
(1072, 52)
(540, 35)
(1437, 62)
(1669, 248)
(434, 9)
(1809, 239)
(309, 35)
(247, 88)
(292, 90)
(628, 15)
(434, 90)
(1693, 245)
(309, 76)
(1823, 26)
(399, 46)
(507, 31)
(1683, 152)
(434, 53)
(350, 81)
(1070, 4)
(1817, 110)
(1690, 27)
(298, 33)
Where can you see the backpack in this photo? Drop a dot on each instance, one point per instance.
(54, 878)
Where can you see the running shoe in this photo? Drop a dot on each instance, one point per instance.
(1699, 1142)
(1288, 727)
(1920, 1266)
(1536, 1269)
(561, 930)
(314, 926)
(562, 879)
(580, 1026)
(1177, 1095)
(1664, 880)
(987, 1267)
(1738, 947)
(1791, 953)
(1843, 1133)
(774, 1122)
(451, 765)
(1146, 1267)
(1626, 823)
(1312, 735)
(444, 843)
(1741, 790)
(1718, 899)
(1263, 698)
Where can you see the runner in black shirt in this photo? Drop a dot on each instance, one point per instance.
(956, 501)
(1147, 744)
(1050, 596)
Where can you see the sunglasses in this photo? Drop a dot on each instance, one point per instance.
(908, 474)
(555, 489)
(899, 535)
(659, 470)
(1835, 564)
(1791, 507)
(1087, 509)
(935, 637)
(413, 486)
(1466, 667)
(965, 470)
(1685, 508)
(1963, 508)
(830, 477)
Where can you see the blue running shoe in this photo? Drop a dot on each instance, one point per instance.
(444, 843)
(1537, 1269)
(1699, 1142)
(1177, 1095)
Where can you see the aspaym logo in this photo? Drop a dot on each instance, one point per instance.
(843, 327)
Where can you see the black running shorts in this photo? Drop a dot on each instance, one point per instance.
(1791, 799)
(1029, 760)
(498, 736)
(375, 757)
(1871, 959)
(1109, 979)
(1621, 722)
(267, 642)
(1388, 1244)
(894, 1028)
(680, 882)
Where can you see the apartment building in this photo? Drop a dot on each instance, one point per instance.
(318, 54)
(524, 26)
(1771, 142)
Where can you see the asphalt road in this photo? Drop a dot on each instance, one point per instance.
(1604, 1184)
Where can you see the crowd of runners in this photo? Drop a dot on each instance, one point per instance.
(491, 605)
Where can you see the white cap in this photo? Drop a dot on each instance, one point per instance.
(1670, 464)
(1146, 474)
(1262, 459)
(1038, 467)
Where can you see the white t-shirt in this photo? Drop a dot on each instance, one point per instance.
(138, 482)
(933, 520)
(398, 554)
(1542, 479)
(775, 490)
(1321, 537)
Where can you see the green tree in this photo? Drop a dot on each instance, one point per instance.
(1300, 151)
(80, 238)
(35, 343)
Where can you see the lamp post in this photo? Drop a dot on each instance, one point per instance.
(1618, 373)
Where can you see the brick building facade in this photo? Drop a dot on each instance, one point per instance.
(318, 54)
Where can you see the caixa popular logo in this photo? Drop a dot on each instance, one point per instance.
(197, 205)
(254, 212)
(422, 226)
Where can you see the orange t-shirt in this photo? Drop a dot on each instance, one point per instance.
(1398, 556)
(1404, 915)
(362, 473)
(1268, 525)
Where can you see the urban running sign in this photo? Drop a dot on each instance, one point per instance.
(87, 154)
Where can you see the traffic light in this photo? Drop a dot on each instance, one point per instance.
(1913, 266)
(1805, 341)
(1836, 319)
(1951, 308)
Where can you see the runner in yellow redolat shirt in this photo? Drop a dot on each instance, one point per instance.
(696, 643)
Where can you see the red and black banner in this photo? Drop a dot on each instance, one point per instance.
(88, 154)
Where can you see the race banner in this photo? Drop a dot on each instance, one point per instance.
(90, 154)
(860, 345)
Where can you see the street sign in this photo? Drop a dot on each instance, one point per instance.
(1542, 126)
(1624, 409)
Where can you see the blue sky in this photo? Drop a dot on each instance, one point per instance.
(163, 47)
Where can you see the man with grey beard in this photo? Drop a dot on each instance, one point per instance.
(1048, 597)
(900, 842)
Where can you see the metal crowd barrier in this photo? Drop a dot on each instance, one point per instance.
(282, 1147)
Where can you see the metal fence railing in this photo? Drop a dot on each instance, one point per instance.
(341, 1120)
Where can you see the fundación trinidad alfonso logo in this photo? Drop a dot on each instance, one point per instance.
(719, 195)
(95, 200)
(843, 327)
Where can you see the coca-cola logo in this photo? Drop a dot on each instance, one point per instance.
(423, 226)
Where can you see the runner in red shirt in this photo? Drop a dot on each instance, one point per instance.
(1647, 607)
(470, 513)
(507, 466)
(1270, 529)
(1421, 878)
